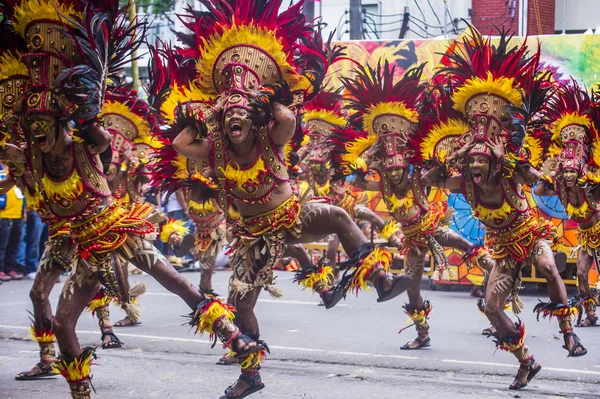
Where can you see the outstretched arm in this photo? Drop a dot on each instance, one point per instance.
(98, 138)
(285, 124)
(189, 146)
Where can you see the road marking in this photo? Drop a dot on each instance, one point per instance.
(283, 301)
(15, 303)
(512, 365)
(291, 348)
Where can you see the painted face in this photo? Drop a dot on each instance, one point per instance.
(395, 176)
(43, 129)
(479, 166)
(237, 125)
(318, 161)
(570, 176)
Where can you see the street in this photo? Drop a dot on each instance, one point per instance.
(351, 351)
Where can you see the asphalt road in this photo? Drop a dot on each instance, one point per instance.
(351, 351)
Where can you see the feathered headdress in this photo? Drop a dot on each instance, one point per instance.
(14, 77)
(323, 113)
(385, 110)
(74, 49)
(440, 126)
(487, 79)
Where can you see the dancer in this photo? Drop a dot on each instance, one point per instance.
(570, 167)
(492, 171)
(68, 173)
(250, 61)
(130, 123)
(388, 112)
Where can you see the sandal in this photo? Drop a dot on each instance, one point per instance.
(532, 373)
(488, 332)
(577, 345)
(253, 386)
(186, 244)
(399, 285)
(126, 323)
(423, 343)
(260, 345)
(113, 343)
(332, 297)
(45, 372)
(593, 322)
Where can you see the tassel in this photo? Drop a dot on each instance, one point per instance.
(274, 291)
(435, 276)
(241, 288)
(517, 304)
(133, 311)
(137, 290)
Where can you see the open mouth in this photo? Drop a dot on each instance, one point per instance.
(41, 138)
(236, 129)
(477, 177)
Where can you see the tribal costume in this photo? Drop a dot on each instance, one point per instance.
(491, 84)
(320, 117)
(130, 123)
(381, 138)
(571, 166)
(57, 257)
(71, 46)
(254, 69)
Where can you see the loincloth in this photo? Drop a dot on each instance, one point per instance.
(107, 242)
(260, 242)
(210, 241)
(515, 244)
(589, 239)
(437, 217)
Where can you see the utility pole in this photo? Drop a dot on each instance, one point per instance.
(309, 9)
(356, 27)
(135, 73)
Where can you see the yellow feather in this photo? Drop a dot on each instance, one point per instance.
(29, 11)
(11, 65)
(490, 214)
(248, 36)
(578, 212)
(390, 228)
(354, 150)
(173, 227)
(69, 189)
(392, 107)
(571, 118)
(501, 87)
(395, 203)
(47, 337)
(115, 107)
(77, 370)
(202, 208)
(380, 259)
(452, 128)
(329, 117)
(534, 146)
(180, 162)
(324, 275)
(215, 311)
(324, 190)
(179, 95)
(245, 176)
